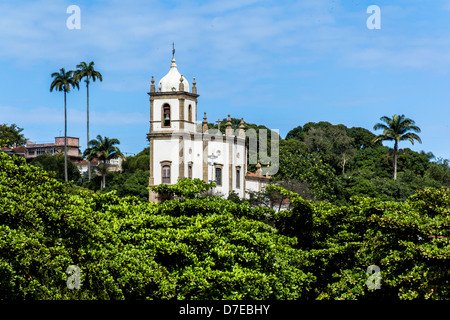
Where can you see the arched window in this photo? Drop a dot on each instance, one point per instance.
(166, 115)
(190, 113)
(238, 177)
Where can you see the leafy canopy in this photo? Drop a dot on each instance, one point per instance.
(11, 135)
(63, 81)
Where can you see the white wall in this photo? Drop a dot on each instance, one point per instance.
(252, 185)
(165, 150)
(168, 150)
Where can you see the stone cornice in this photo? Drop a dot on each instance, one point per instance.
(172, 94)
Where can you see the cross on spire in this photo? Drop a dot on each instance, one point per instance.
(173, 50)
(218, 124)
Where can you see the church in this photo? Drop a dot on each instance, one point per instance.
(182, 148)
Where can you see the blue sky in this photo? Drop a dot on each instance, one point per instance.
(276, 63)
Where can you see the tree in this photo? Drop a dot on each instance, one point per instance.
(362, 138)
(140, 161)
(417, 162)
(198, 249)
(104, 150)
(125, 184)
(184, 188)
(398, 128)
(331, 144)
(87, 71)
(55, 163)
(207, 248)
(12, 136)
(296, 162)
(300, 132)
(440, 171)
(62, 81)
(407, 241)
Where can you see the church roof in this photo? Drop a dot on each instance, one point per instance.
(251, 174)
(171, 81)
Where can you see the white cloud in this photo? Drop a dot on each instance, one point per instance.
(129, 36)
(46, 116)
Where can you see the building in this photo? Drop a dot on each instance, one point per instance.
(18, 151)
(179, 148)
(31, 150)
(73, 148)
(256, 181)
(113, 165)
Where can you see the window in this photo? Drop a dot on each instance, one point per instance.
(190, 170)
(40, 151)
(238, 178)
(190, 113)
(166, 115)
(166, 174)
(218, 176)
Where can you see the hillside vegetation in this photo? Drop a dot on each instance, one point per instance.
(321, 162)
(199, 247)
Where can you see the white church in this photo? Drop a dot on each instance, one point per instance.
(182, 148)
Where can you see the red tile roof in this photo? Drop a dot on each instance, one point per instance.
(251, 174)
(84, 162)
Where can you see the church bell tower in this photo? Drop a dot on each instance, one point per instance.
(173, 109)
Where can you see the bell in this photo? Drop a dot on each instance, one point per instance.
(166, 117)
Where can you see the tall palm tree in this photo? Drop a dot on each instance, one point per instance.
(104, 150)
(87, 71)
(398, 128)
(62, 81)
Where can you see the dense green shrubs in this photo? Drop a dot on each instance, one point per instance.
(127, 249)
(211, 248)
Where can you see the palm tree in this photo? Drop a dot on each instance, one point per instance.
(62, 82)
(397, 129)
(87, 71)
(104, 150)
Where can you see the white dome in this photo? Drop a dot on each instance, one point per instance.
(171, 81)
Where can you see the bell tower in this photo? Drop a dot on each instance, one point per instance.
(173, 109)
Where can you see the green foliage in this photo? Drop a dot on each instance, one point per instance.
(55, 164)
(63, 81)
(185, 188)
(11, 136)
(297, 222)
(104, 149)
(300, 132)
(297, 163)
(409, 242)
(125, 184)
(141, 161)
(398, 128)
(233, 196)
(417, 162)
(87, 71)
(3, 142)
(375, 160)
(212, 248)
(362, 138)
(332, 145)
(199, 248)
(439, 171)
(336, 162)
